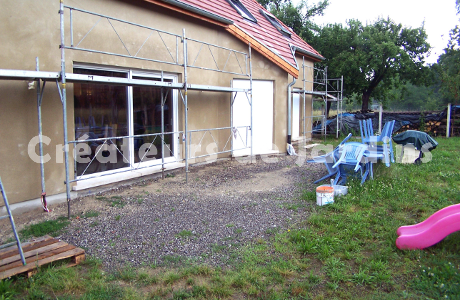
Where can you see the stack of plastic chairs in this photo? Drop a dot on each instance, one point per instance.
(352, 155)
(384, 151)
(329, 160)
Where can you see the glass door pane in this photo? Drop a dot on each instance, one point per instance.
(101, 112)
(147, 120)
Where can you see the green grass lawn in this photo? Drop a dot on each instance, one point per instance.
(342, 251)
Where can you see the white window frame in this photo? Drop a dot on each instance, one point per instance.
(126, 172)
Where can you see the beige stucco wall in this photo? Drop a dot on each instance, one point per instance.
(304, 82)
(31, 29)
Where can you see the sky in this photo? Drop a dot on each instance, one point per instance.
(439, 16)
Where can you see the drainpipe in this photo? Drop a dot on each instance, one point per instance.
(290, 110)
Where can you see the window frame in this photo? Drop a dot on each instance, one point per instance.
(130, 72)
(242, 10)
(274, 21)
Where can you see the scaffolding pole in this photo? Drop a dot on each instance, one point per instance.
(325, 90)
(163, 100)
(63, 94)
(250, 97)
(304, 132)
(185, 105)
(40, 90)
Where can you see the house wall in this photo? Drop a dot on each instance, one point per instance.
(31, 29)
(308, 86)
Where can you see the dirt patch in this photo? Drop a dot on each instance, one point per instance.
(224, 206)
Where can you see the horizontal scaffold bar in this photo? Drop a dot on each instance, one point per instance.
(80, 78)
(28, 75)
(315, 93)
(209, 88)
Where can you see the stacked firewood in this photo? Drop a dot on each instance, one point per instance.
(436, 128)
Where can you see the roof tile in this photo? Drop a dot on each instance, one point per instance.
(263, 31)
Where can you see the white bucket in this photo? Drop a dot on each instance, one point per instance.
(324, 195)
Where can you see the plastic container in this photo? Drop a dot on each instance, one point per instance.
(324, 195)
(339, 190)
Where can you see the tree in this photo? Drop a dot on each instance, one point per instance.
(416, 98)
(296, 17)
(449, 66)
(373, 58)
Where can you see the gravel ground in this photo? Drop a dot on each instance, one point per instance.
(224, 206)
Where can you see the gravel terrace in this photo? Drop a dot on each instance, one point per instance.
(224, 206)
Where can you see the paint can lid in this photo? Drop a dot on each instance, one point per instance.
(324, 189)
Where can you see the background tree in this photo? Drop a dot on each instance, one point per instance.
(449, 67)
(373, 58)
(297, 17)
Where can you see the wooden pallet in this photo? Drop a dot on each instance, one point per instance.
(37, 253)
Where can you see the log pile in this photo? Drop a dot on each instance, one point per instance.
(436, 128)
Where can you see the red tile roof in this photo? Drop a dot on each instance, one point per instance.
(262, 32)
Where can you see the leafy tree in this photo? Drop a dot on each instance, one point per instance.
(373, 58)
(449, 66)
(297, 17)
(416, 98)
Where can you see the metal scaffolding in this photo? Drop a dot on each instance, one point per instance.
(322, 89)
(62, 78)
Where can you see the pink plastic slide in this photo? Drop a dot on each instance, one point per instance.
(431, 231)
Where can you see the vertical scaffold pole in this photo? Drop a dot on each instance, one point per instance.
(341, 102)
(338, 109)
(231, 123)
(64, 109)
(325, 111)
(449, 108)
(250, 97)
(162, 131)
(185, 105)
(304, 133)
(40, 136)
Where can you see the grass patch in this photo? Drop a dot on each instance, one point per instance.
(173, 259)
(51, 227)
(90, 214)
(114, 201)
(345, 250)
(184, 234)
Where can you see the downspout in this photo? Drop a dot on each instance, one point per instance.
(289, 136)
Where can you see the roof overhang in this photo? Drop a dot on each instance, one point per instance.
(192, 11)
(311, 55)
(262, 49)
(239, 33)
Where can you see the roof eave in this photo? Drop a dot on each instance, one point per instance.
(314, 56)
(199, 11)
(264, 50)
(274, 57)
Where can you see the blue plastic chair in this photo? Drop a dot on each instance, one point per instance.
(329, 160)
(384, 151)
(351, 158)
(366, 129)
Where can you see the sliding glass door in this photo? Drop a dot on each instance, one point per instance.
(120, 127)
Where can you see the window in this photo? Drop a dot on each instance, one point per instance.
(276, 23)
(104, 112)
(242, 10)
